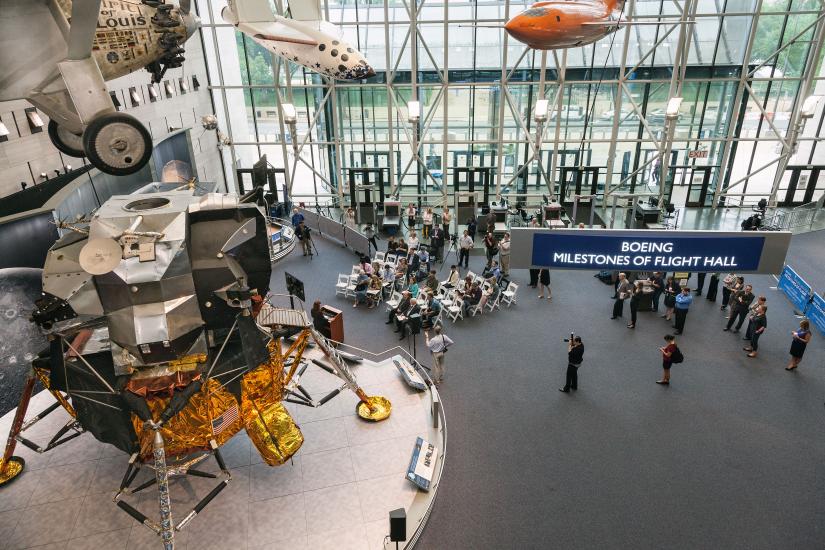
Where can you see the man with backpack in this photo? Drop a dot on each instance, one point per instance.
(670, 354)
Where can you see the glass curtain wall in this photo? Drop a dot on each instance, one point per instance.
(607, 100)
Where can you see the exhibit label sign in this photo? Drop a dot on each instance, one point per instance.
(816, 313)
(794, 288)
(422, 464)
(650, 250)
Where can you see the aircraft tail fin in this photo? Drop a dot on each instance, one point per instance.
(247, 11)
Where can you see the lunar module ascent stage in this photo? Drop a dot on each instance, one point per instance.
(164, 342)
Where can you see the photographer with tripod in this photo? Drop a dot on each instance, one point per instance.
(303, 234)
(575, 354)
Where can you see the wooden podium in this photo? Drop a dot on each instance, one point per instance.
(336, 322)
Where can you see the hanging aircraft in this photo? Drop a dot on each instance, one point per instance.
(565, 24)
(58, 55)
(304, 38)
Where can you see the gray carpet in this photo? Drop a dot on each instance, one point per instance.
(729, 456)
(807, 257)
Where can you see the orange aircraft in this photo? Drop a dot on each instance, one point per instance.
(565, 23)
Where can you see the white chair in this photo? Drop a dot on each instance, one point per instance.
(342, 284)
(353, 279)
(376, 295)
(356, 269)
(494, 304)
(472, 276)
(392, 303)
(509, 295)
(456, 310)
(379, 257)
(476, 309)
(391, 258)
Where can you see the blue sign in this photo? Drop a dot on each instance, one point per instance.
(816, 313)
(795, 288)
(696, 253)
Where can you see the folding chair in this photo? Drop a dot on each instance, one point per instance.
(392, 303)
(509, 295)
(342, 285)
(476, 309)
(493, 305)
(456, 310)
(376, 295)
(380, 257)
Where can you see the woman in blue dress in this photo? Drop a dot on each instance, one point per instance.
(800, 341)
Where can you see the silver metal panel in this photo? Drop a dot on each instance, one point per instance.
(243, 234)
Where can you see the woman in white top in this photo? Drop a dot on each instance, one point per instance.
(427, 222)
(453, 278)
(412, 242)
(446, 218)
(350, 217)
(411, 212)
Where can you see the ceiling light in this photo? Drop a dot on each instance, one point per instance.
(290, 114)
(541, 110)
(672, 109)
(413, 111)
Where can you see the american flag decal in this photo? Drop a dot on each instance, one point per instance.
(225, 420)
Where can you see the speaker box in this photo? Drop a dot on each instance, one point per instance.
(398, 525)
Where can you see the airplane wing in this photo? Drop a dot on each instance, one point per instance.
(305, 10)
(277, 32)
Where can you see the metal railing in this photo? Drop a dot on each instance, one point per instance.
(285, 243)
(799, 218)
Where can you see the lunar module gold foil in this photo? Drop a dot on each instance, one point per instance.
(208, 411)
(272, 431)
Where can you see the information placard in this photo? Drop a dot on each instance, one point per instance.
(794, 288)
(816, 313)
(422, 464)
(646, 253)
(650, 250)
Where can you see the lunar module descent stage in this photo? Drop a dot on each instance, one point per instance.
(164, 343)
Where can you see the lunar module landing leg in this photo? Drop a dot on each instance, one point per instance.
(12, 466)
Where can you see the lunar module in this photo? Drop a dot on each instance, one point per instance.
(164, 343)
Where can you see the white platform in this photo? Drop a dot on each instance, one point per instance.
(336, 494)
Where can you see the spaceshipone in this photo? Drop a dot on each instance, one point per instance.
(304, 38)
(565, 23)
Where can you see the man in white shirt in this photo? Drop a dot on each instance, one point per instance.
(438, 345)
(453, 278)
(465, 244)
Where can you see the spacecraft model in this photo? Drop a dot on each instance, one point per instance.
(58, 55)
(565, 24)
(164, 343)
(305, 38)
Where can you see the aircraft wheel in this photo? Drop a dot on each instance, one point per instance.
(117, 144)
(65, 141)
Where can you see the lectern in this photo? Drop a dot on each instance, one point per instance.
(336, 322)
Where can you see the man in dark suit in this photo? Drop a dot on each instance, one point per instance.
(741, 301)
(658, 284)
(437, 242)
(402, 306)
(402, 319)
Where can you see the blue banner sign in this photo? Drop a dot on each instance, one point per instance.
(795, 288)
(705, 252)
(816, 313)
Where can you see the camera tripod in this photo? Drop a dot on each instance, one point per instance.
(451, 248)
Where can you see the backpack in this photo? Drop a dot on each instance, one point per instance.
(676, 356)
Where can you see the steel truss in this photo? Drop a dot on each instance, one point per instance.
(660, 135)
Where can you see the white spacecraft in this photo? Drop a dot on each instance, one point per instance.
(305, 38)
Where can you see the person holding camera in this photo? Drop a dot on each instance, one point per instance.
(438, 345)
(575, 354)
(303, 234)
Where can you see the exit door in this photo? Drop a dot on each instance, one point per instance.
(697, 194)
